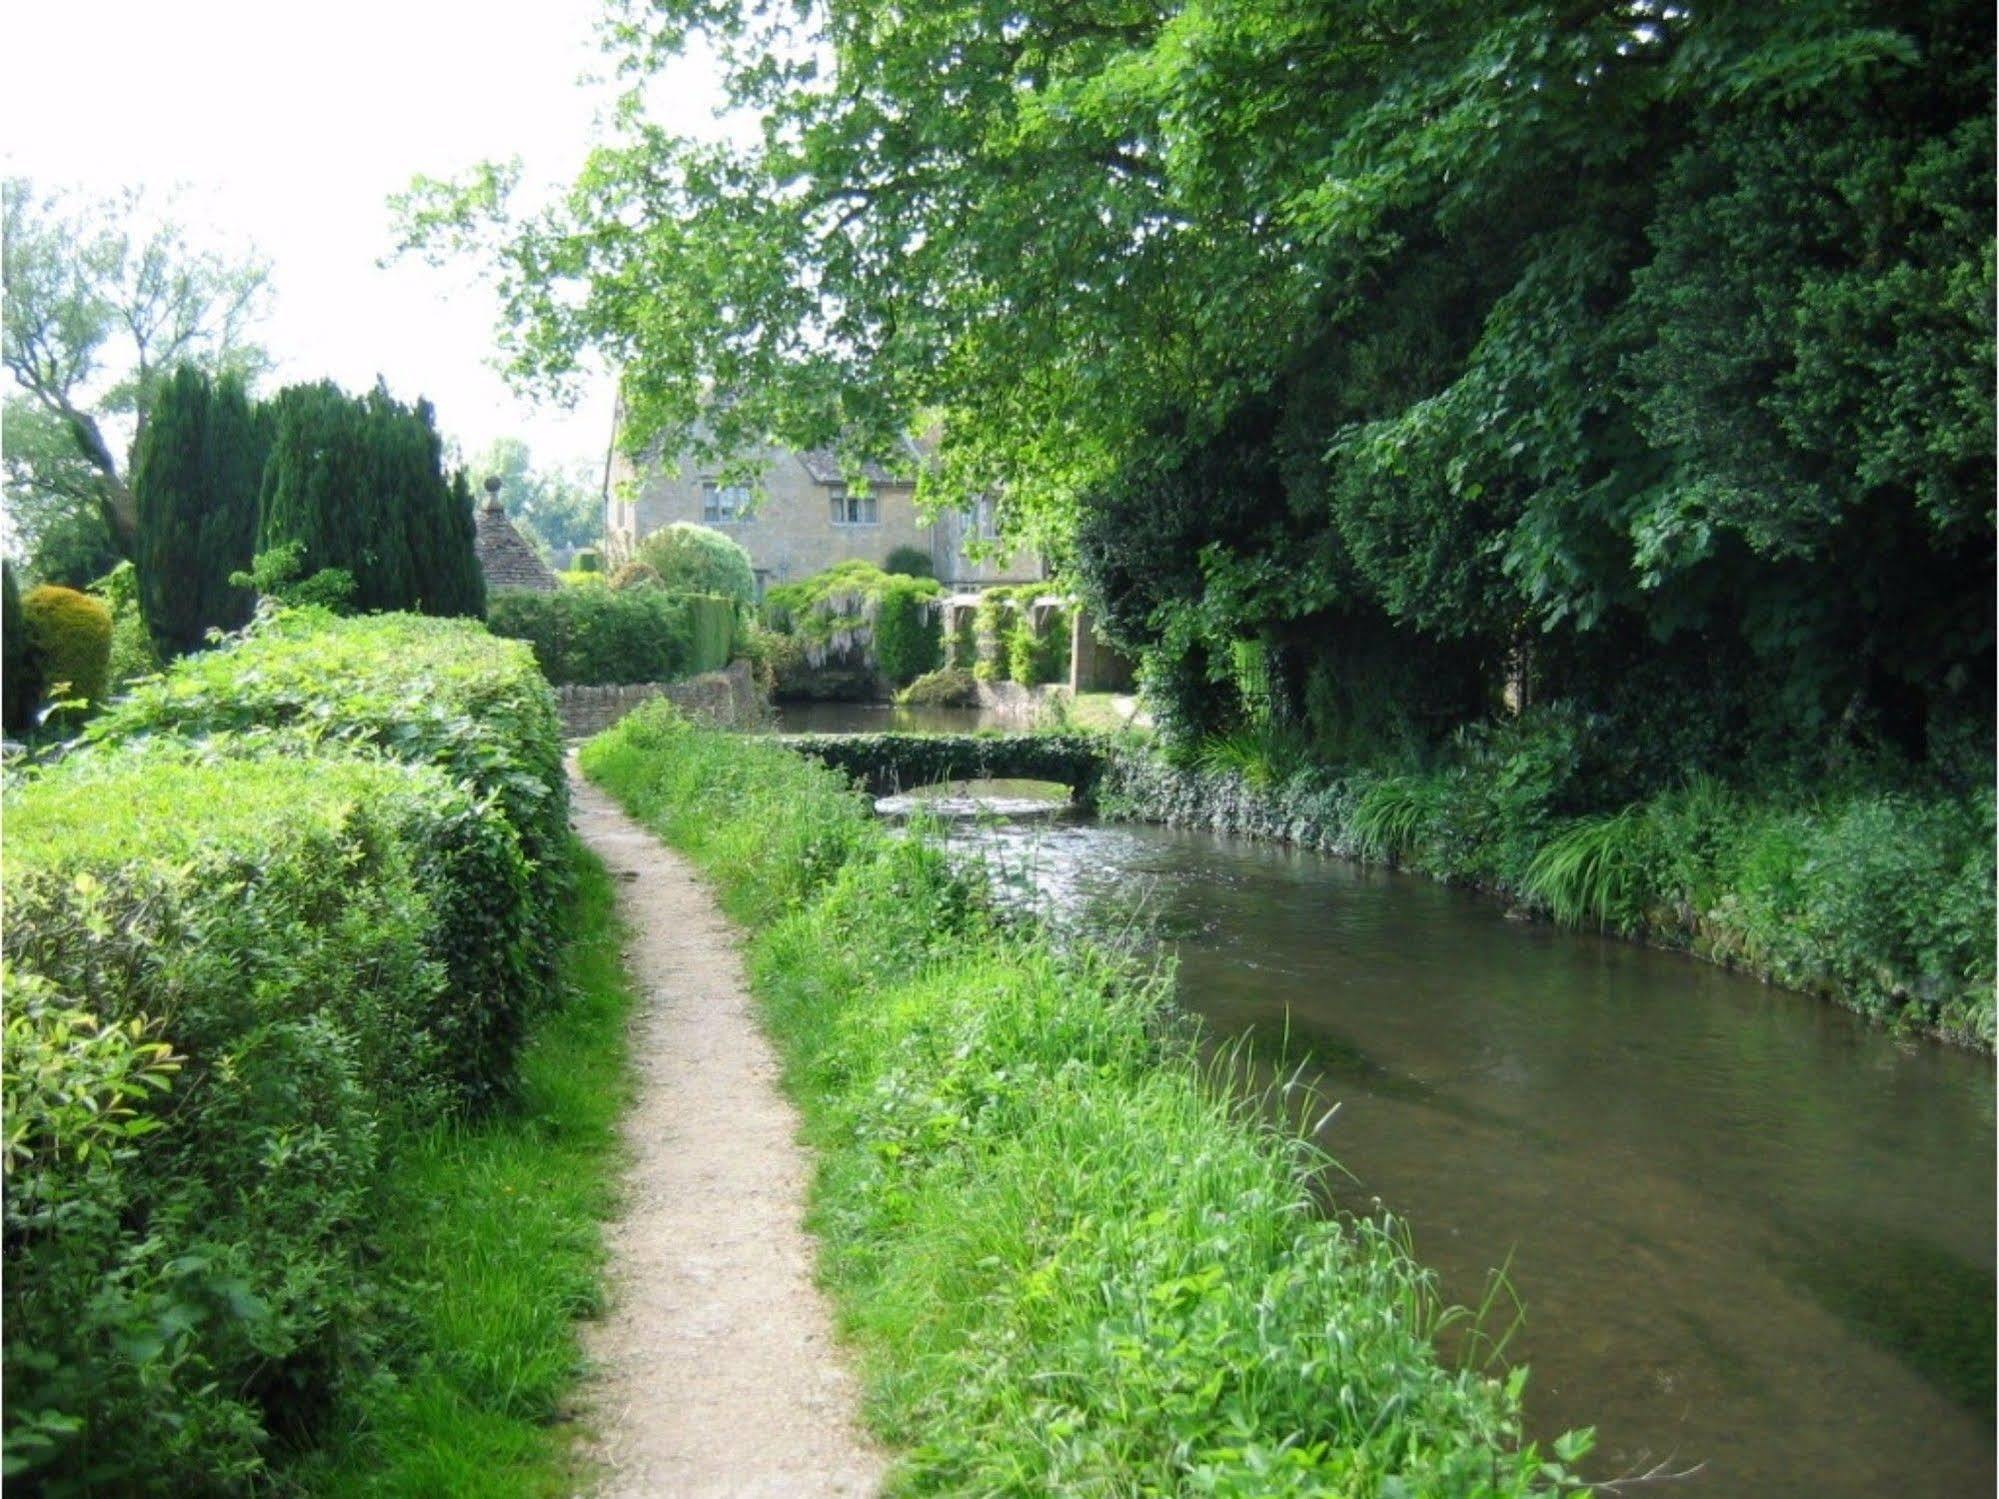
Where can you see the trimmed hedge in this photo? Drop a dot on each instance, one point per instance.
(440, 691)
(596, 636)
(221, 1002)
(71, 632)
(321, 915)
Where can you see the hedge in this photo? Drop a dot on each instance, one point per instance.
(596, 636)
(442, 691)
(71, 632)
(222, 1001)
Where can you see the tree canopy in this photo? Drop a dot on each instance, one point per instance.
(103, 300)
(1646, 332)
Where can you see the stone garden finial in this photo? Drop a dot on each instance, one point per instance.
(493, 494)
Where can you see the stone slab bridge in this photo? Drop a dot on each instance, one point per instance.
(889, 763)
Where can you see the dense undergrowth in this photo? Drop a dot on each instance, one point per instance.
(1072, 1264)
(1872, 887)
(291, 907)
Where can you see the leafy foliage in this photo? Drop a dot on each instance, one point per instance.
(70, 633)
(104, 300)
(1644, 355)
(195, 482)
(947, 687)
(699, 559)
(132, 654)
(600, 635)
(854, 613)
(280, 574)
(360, 485)
(319, 922)
(435, 691)
(911, 562)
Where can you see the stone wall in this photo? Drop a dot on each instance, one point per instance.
(728, 699)
(1016, 707)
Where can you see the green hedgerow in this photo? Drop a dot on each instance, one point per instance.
(191, 1286)
(604, 635)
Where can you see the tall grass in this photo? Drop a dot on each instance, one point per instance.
(492, 1245)
(1598, 871)
(1392, 816)
(1069, 1264)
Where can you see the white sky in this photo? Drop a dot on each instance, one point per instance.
(289, 125)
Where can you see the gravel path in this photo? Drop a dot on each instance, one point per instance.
(716, 1371)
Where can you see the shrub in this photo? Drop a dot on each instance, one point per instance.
(910, 562)
(21, 672)
(433, 690)
(699, 559)
(948, 688)
(855, 612)
(220, 1002)
(132, 653)
(71, 632)
(631, 575)
(907, 636)
(280, 574)
(604, 635)
(588, 560)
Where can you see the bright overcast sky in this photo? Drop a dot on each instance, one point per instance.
(289, 126)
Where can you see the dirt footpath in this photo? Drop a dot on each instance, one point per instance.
(716, 1372)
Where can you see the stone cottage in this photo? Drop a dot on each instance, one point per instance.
(802, 517)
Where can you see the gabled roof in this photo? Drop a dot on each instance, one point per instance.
(822, 466)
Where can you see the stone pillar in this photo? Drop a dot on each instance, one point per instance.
(1093, 665)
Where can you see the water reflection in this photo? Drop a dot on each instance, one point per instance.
(1752, 1234)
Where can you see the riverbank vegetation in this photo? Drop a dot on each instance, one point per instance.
(1069, 1260)
(244, 1013)
(854, 622)
(1557, 424)
(1880, 896)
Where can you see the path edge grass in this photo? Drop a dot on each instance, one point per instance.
(493, 1232)
(1067, 1262)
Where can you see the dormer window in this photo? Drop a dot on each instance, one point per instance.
(724, 504)
(855, 509)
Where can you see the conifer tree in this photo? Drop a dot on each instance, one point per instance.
(195, 483)
(361, 485)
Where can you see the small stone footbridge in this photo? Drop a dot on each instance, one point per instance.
(886, 764)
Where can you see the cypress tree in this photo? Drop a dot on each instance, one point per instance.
(195, 479)
(361, 484)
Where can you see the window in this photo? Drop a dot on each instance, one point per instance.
(724, 505)
(855, 509)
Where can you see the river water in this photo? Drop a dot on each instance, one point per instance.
(1752, 1235)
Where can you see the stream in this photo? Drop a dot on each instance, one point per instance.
(1752, 1234)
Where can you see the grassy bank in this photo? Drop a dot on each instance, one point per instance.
(491, 1242)
(1069, 1262)
(1872, 891)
